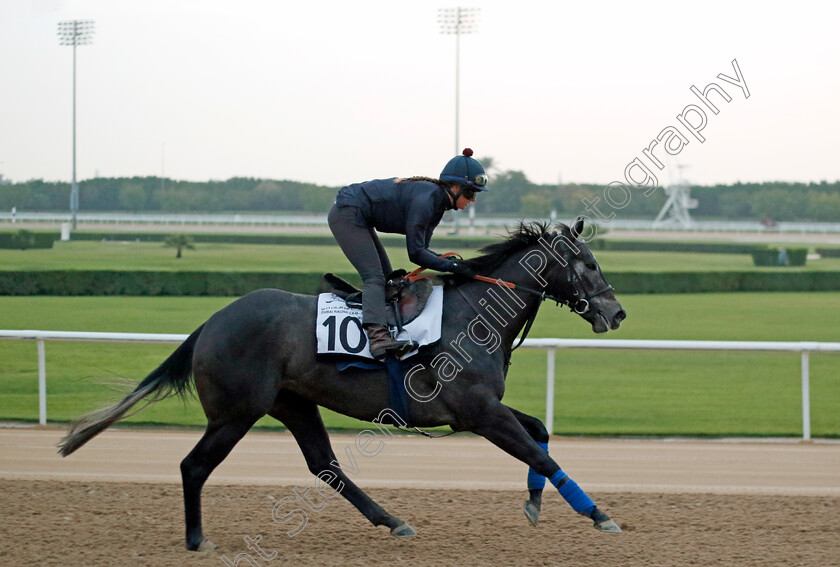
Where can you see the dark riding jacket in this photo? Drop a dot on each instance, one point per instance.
(412, 208)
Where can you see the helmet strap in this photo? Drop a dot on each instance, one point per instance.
(455, 196)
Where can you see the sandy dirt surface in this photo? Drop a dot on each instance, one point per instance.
(118, 502)
(100, 523)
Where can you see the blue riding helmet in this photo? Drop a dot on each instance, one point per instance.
(466, 170)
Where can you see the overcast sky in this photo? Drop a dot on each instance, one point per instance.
(334, 92)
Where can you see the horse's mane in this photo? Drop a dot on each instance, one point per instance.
(525, 235)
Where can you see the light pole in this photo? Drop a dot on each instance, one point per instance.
(458, 21)
(75, 33)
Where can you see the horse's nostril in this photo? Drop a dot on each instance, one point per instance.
(620, 316)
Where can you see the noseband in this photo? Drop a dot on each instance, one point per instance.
(581, 304)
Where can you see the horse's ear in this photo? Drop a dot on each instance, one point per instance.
(577, 228)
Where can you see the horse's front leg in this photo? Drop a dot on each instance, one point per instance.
(498, 425)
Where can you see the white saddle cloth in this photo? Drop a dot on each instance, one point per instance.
(338, 326)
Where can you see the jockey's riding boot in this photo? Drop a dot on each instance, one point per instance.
(382, 344)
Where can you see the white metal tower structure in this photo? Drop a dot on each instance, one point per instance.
(676, 208)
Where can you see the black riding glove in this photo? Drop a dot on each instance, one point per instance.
(458, 267)
(396, 276)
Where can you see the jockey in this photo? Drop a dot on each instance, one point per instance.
(412, 207)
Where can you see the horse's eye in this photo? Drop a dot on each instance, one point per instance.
(590, 265)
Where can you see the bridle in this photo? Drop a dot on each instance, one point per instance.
(579, 305)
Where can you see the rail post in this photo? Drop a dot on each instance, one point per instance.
(549, 392)
(806, 396)
(42, 383)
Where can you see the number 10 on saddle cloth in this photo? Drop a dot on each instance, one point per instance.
(338, 327)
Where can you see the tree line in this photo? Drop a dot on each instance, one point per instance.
(511, 193)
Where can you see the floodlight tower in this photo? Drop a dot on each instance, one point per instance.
(75, 33)
(458, 21)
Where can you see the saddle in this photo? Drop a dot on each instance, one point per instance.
(406, 299)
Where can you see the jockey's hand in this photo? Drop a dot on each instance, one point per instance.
(396, 275)
(458, 267)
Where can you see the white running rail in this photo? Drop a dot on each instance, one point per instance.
(320, 219)
(551, 345)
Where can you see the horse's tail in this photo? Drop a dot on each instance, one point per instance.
(172, 378)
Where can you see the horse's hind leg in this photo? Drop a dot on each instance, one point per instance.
(536, 481)
(214, 446)
(303, 419)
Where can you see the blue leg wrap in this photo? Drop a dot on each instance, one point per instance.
(573, 494)
(536, 481)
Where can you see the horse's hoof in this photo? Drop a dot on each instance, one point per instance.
(532, 513)
(608, 526)
(403, 531)
(603, 523)
(206, 545)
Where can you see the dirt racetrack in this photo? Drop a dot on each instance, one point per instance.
(118, 502)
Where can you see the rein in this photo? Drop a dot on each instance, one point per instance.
(579, 305)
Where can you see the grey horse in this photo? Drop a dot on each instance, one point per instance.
(256, 357)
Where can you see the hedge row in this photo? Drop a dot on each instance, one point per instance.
(239, 283)
(671, 246)
(829, 252)
(697, 282)
(440, 243)
(780, 256)
(113, 282)
(25, 239)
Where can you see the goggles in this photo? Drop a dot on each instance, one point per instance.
(479, 180)
(474, 184)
